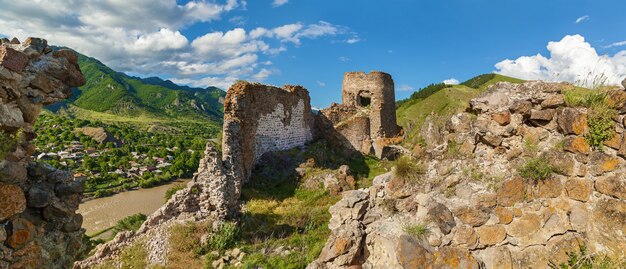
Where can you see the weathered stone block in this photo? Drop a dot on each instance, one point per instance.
(490, 235)
(576, 144)
(542, 115)
(572, 121)
(12, 59)
(579, 189)
(12, 200)
(511, 192)
(612, 186)
(472, 216)
(502, 118)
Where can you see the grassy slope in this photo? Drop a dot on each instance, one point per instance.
(111, 96)
(444, 102)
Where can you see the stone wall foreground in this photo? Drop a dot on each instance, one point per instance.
(38, 224)
(477, 209)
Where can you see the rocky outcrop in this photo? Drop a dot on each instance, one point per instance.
(38, 224)
(476, 209)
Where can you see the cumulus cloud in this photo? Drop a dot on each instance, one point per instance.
(406, 88)
(451, 81)
(145, 37)
(278, 3)
(571, 59)
(582, 19)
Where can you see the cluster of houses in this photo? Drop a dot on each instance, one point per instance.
(76, 152)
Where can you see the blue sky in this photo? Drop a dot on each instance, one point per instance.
(313, 43)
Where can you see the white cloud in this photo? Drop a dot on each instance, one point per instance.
(238, 20)
(406, 88)
(344, 59)
(321, 84)
(616, 44)
(571, 59)
(262, 75)
(582, 19)
(278, 3)
(353, 40)
(451, 81)
(220, 82)
(165, 39)
(145, 37)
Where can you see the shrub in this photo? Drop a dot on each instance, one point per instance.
(417, 231)
(600, 121)
(171, 191)
(407, 169)
(8, 142)
(599, 116)
(453, 150)
(225, 236)
(537, 168)
(130, 223)
(584, 260)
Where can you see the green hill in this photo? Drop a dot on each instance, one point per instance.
(112, 96)
(441, 100)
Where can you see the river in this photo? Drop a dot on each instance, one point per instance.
(102, 213)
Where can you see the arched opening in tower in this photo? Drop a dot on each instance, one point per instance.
(364, 99)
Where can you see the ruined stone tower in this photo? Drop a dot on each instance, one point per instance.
(376, 92)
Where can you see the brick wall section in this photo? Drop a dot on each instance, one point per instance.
(260, 118)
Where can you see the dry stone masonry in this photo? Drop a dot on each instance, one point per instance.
(366, 120)
(479, 212)
(38, 224)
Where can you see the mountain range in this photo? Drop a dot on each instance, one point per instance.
(112, 96)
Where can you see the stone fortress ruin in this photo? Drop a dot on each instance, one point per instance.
(259, 119)
(366, 120)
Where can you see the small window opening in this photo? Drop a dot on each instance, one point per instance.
(364, 99)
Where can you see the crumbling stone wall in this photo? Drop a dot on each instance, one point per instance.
(367, 116)
(478, 209)
(378, 87)
(38, 224)
(260, 119)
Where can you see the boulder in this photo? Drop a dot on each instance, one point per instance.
(522, 107)
(572, 121)
(21, 232)
(473, 216)
(442, 216)
(542, 115)
(511, 192)
(39, 197)
(579, 189)
(503, 118)
(465, 237)
(576, 144)
(490, 235)
(505, 215)
(344, 245)
(13, 201)
(553, 101)
(613, 186)
(12, 59)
